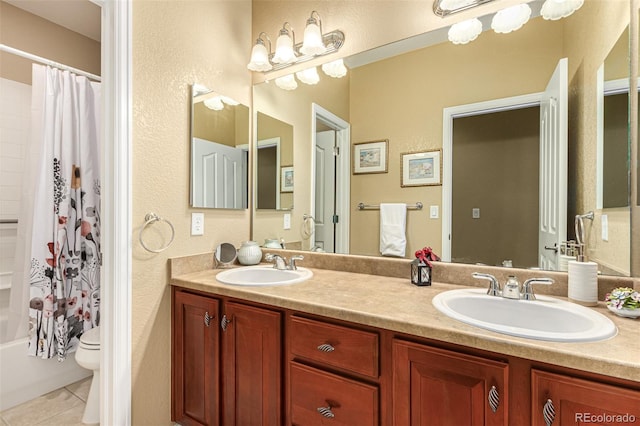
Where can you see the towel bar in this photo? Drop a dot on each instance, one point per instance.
(363, 206)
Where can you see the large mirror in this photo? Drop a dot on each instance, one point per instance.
(274, 164)
(219, 150)
(403, 99)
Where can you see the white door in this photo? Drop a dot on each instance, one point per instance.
(325, 190)
(553, 168)
(218, 175)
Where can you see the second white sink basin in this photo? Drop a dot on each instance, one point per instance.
(546, 318)
(263, 276)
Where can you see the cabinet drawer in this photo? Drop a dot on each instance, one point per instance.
(319, 398)
(334, 345)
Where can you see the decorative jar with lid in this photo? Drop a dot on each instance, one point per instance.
(249, 253)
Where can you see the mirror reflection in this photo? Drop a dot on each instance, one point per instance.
(402, 99)
(219, 150)
(274, 164)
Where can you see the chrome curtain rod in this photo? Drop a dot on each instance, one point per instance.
(363, 206)
(27, 55)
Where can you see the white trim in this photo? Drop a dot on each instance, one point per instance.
(343, 172)
(459, 111)
(115, 360)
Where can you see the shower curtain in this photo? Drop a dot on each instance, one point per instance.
(61, 274)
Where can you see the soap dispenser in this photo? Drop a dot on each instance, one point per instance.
(511, 288)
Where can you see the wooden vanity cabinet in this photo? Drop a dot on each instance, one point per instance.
(195, 364)
(433, 386)
(227, 362)
(558, 399)
(334, 374)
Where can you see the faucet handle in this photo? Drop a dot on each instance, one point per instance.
(494, 285)
(292, 261)
(527, 287)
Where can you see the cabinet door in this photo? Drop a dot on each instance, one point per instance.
(438, 387)
(252, 372)
(195, 360)
(564, 400)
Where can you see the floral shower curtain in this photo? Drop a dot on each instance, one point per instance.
(64, 280)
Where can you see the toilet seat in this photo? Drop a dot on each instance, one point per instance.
(90, 339)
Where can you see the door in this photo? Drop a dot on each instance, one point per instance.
(553, 168)
(325, 190)
(435, 387)
(218, 175)
(195, 360)
(251, 366)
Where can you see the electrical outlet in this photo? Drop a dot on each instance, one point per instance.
(475, 213)
(287, 221)
(197, 223)
(434, 212)
(605, 227)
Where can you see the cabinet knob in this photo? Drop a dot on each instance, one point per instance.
(549, 412)
(326, 412)
(224, 322)
(326, 348)
(207, 319)
(494, 399)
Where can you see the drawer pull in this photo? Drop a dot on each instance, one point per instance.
(207, 319)
(494, 399)
(224, 323)
(326, 348)
(326, 412)
(549, 412)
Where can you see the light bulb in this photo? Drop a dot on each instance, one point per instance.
(284, 49)
(214, 103)
(287, 82)
(308, 76)
(465, 31)
(555, 9)
(511, 19)
(335, 69)
(259, 58)
(312, 43)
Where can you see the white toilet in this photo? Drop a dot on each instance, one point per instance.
(88, 356)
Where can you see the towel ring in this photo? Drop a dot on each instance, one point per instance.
(149, 219)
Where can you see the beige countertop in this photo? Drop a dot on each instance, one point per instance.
(397, 305)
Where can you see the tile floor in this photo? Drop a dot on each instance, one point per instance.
(62, 407)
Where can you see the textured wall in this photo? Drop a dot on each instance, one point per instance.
(175, 43)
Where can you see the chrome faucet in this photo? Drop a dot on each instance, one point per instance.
(494, 285)
(279, 262)
(511, 288)
(527, 287)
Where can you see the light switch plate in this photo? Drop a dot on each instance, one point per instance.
(475, 213)
(434, 212)
(605, 227)
(287, 221)
(197, 223)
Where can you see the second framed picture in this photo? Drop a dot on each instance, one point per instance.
(370, 157)
(421, 168)
(286, 179)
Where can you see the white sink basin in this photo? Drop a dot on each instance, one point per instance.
(263, 276)
(546, 318)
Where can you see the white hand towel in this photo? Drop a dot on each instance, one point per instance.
(393, 219)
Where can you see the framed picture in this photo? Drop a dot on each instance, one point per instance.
(370, 157)
(286, 179)
(421, 168)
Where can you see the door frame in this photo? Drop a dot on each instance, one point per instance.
(343, 172)
(460, 111)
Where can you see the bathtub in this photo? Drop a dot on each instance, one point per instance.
(25, 377)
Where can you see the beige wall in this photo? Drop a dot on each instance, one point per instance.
(229, 126)
(32, 34)
(175, 43)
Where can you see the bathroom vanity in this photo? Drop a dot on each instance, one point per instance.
(347, 348)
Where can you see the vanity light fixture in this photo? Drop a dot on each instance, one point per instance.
(335, 69)
(284, 46)
(312, 43)
(217, 103)
(465, 31)
(309, 76)
(555, 9)
(443, 8)
(287, 82)
(260, 55)
(288, 52)
(511, 18)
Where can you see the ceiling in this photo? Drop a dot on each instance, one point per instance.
(81, 16)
